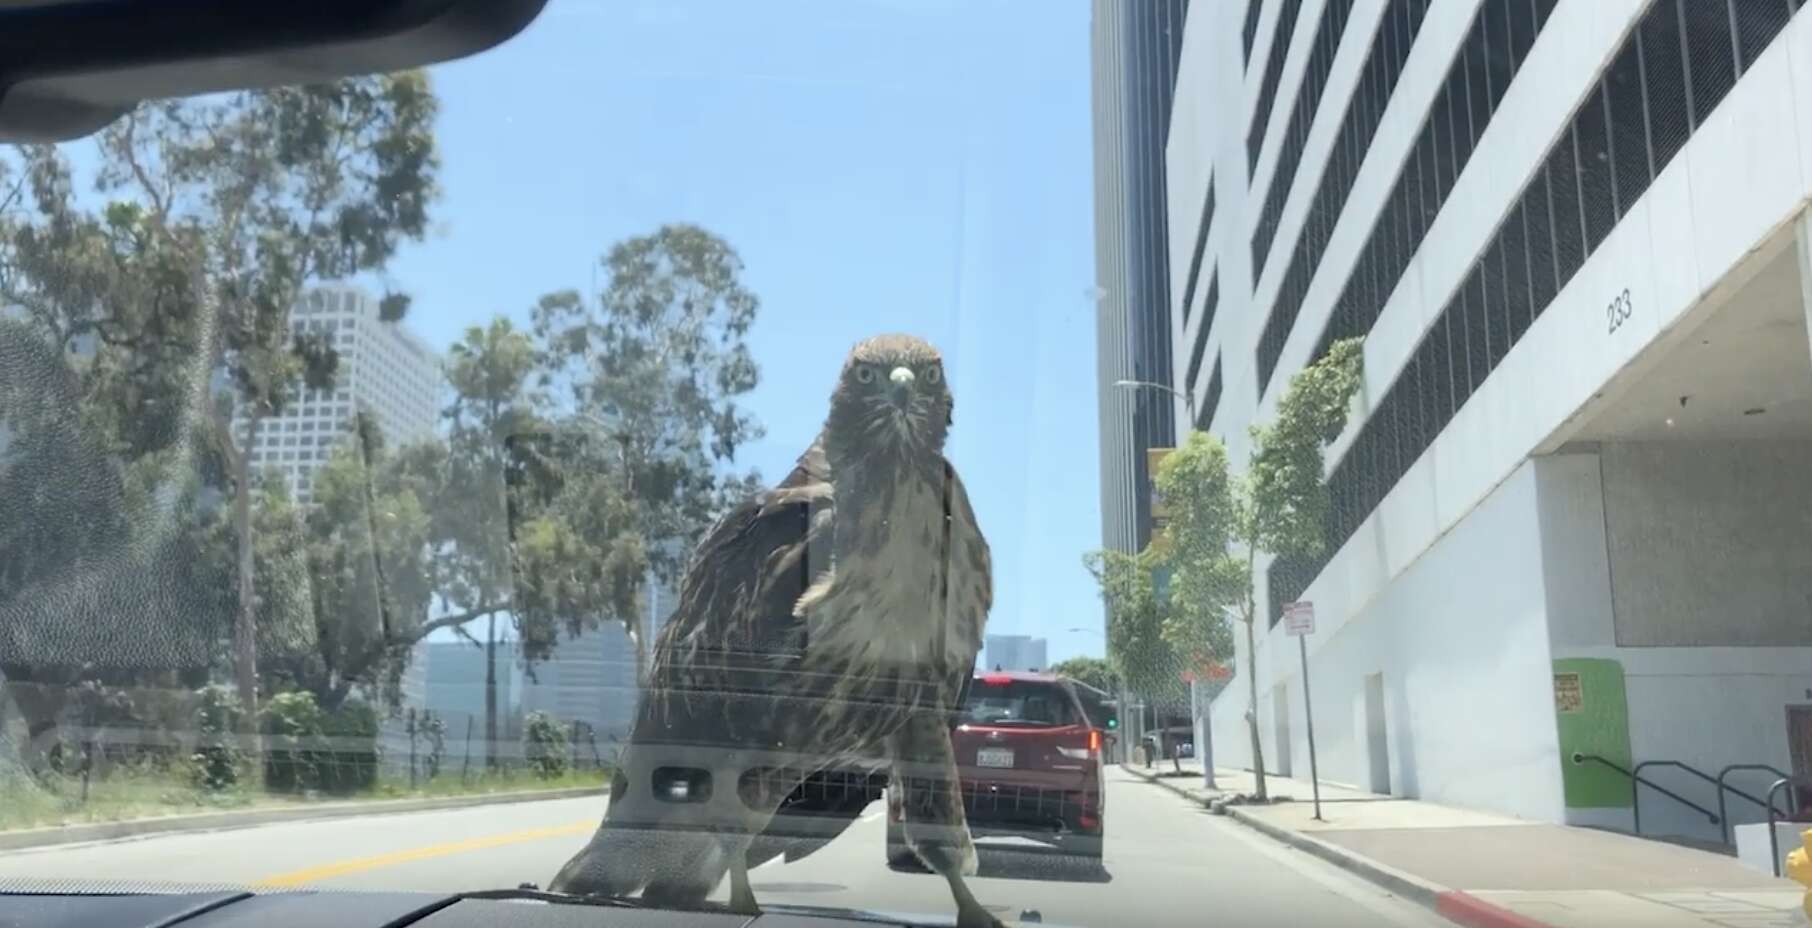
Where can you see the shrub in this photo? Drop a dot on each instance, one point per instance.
(544, 745)
(216, 763)
(306, 748)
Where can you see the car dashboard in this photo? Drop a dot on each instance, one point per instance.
(80, 904)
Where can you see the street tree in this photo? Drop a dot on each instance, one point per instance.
(1137, 648)
(491, 370)
(1093, 671)
(255, 195)
(367, 548)
(1206, 580)
(1219, 525)
(647, 381)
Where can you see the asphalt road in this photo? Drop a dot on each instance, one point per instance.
(1167, 862)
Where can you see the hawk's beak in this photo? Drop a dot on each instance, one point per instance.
(902, 385)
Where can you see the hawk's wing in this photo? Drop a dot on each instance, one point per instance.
(733, 636)
(718, 661)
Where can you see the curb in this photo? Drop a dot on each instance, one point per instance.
(1451, 904)
(222, 821)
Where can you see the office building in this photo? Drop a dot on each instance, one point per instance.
(384, 369)
(1134, 50)
(589, 679)
(455, 691)
(1014, 652)
(1569, 514)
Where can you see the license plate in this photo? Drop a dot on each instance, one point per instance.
(994, 757)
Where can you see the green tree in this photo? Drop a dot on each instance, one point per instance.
(1094, 671)
(647, 380)
(98, 575)
(1206, 581)
(61, 515)
(492, 410)
(1137, 648)
(254, 195)
(1219, 524)
(368, 550)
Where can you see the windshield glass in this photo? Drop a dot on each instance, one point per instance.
(1019, 703)
(605, 461)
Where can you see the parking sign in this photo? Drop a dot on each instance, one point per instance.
(1299, 618)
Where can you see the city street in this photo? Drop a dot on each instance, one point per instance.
(1167, 862)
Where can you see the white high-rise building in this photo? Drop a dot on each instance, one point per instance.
(384, 369)
(1569, 526)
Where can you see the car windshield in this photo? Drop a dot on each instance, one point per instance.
(689, 451)
(1019, 703)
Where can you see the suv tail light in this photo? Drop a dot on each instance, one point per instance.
(1088, 751)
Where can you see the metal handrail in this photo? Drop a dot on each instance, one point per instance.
(1723, 813)
(1774, 838)
(1636, 784)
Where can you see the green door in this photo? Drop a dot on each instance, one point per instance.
(1593, 718)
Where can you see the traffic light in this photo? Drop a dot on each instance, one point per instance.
(1111, 709)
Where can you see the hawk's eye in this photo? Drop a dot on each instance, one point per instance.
(865, 373)
(933, 374)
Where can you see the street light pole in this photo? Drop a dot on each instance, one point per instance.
(1187, 398)
(1204, 729)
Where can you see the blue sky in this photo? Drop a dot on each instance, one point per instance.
(915, 165)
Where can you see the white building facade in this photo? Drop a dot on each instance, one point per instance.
(383, 369)
(1571, 513)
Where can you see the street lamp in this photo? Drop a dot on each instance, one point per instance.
(1188, 400)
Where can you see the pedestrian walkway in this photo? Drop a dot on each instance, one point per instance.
(1483, 869)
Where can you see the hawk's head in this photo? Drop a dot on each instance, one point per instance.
(891, 400)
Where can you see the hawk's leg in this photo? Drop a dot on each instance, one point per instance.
(742, 898)
(932, 812)
(761, 798)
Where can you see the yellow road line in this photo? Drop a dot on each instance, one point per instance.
(358, 864)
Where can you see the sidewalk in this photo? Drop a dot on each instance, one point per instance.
(1483, 869)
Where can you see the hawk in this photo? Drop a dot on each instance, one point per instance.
(830, 623)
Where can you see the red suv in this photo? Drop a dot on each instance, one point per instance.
(1030, 761)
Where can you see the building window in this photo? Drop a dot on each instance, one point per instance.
(1267, 90)
(1328, 31)
(1397, 32)
(1249, 33)
(1627, 128)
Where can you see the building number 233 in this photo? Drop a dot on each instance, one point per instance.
(1618, 311)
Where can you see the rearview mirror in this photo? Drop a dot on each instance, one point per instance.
(69, 67)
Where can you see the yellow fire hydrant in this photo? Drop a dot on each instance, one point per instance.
(1799, 868)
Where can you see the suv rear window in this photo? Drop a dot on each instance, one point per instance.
(1019, 702)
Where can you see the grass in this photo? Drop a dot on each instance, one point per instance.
(128, 793)
(508, 780)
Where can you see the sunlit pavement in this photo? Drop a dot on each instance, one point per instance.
(1167, 862)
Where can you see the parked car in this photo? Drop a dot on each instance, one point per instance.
(1030, 761)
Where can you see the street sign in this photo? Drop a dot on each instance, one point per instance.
(1299, 618)
(1569, 696)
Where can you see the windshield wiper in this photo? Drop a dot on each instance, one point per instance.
(533, 892)
(530, 892)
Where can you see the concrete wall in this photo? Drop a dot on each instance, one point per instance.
(1698, 520)
(1710, 543)
(1460, 642)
